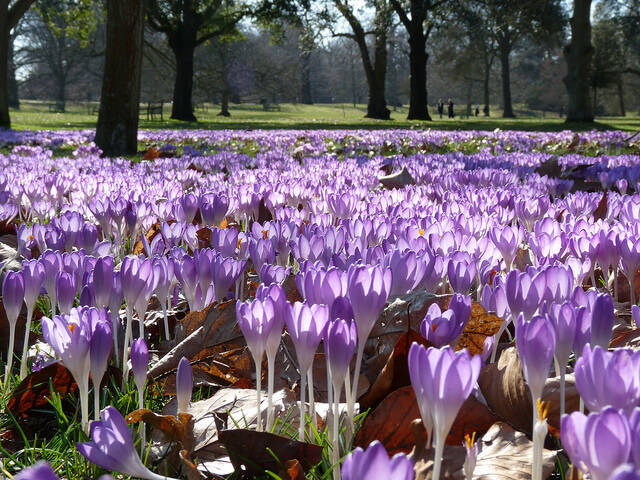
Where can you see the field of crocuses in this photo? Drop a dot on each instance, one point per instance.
(391, 304)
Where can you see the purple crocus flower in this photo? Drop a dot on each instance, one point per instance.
(273, 273)
(374, 464)
(13, 289)
(340, 340)
(38, 471)
(602, 320)
(111, 447)
(184, 385)
(442, 328)
(598, 443)
(103, 281)
(536, 344)
(608, 378)
(525, 292)
(461, 271)
(224, 272)
(442, 380)
(139, 362)
(408, 270)
(52, 262)
(625, 472)
(323, 286)
(213, 208)
(507, 241)
(33, 273)
(65, 291)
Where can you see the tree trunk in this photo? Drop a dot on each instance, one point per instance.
(578, 55)
(305, 94)
(620, 88)
(224, 103)
(377, 106)
(183, 49)
(61, 97)
(485, 86)
(507, 111)
(14, 98)
(5, 120)
(418, 80)
(117, 130)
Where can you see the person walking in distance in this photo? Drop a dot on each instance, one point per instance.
(450, 108)
(440, 107)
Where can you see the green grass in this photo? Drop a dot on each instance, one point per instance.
(35, 115)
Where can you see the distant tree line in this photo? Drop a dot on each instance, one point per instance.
(577, 62)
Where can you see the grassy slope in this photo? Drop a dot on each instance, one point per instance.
(36, 116)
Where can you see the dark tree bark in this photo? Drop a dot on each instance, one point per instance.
(9, 18)
(183, 46)
(578, 55)
(224, 103)
(485, 86)
(14, 98)
(620, 90)
(117, 130)
(414, 21)
(507, 111)
(375, 71)
(305, 90)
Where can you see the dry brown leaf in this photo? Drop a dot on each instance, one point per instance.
(473, 417)
(399, 179)
(481, 325)
(34, 391)
(504, 454)
(260, 451)
(395, 373)
(177, 429)
(292, 470)
(503, 386)
(138, 248)
(600, 213)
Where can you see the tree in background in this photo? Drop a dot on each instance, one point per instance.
(11, 11)
(578, 54)
(419, 18)
(375, 68)
(117, 129)
(12, 81)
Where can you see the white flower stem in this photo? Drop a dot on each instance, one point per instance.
(167, 335)
(115, 316)
(143, 431)
(303, 386)
(271, 361)
(141, 324)
(125, 349)
(312, 405)
(7, 372)
(335, 453)
(581, 405)
(96, 400)
(258, 394)
(350, 412)
(437, 458)
(329, 391)
(25, 345)
(83, 386)
(562, 390)
(351, 399)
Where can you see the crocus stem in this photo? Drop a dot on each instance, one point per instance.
(271, 361)
(350, 412)
(7, 372)
(125, 349)
(312, 406)
(330, 391)
(258, 394)
(303, 386)
(83, 386)
(335, 453)
(496, 340)
(25, 345)
(143, 431)
(581, 405)
(167, 335)
(351, 400)
(437, 459)
(141, 324)
(562, 390)
(96, 400)
(115, 317)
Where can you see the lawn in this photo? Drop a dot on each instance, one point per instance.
(35, 115)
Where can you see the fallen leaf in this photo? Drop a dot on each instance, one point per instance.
(292, 470)
(600, 213)
(189, 469)
(174, 428)
(397, 180)
(473, 417)
(395, 373)
(151, 154)
(503, 386)
(260, 451)
(480, 326)
(390, 422)
(34, 391)
(154, 230)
